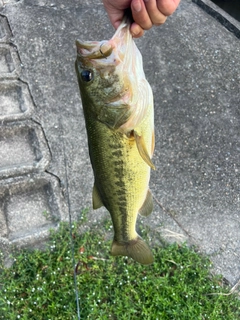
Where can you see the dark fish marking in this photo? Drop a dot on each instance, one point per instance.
(117, 153)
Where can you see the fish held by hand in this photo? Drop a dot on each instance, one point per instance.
(118, 109)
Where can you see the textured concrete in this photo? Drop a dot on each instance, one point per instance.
(192, 63)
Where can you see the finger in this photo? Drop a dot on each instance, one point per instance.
(115, 20)
(155, 15)
(115, 15)
(136, 30)
(167, 7)
(140, 14)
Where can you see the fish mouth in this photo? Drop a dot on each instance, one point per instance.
(110, 51)
(119, 62)
(93, 49)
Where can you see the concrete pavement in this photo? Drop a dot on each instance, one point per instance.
(192, 63)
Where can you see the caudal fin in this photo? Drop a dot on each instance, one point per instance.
(137, 249)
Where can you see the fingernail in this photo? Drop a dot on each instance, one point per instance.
(134, 35)
(137, 6)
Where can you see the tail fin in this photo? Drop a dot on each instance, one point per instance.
(137, 249)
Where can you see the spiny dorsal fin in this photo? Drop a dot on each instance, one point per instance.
(96, 199)
(136, 249)
(143, 150)
(147, 206)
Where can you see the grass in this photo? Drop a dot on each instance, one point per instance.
(178, 286)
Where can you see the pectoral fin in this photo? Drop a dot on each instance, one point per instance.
(96, 199)
(147, 206)
(153, 143)
(143, 150)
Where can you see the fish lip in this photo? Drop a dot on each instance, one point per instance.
(94, 50)
(103, 49)
(85, 44)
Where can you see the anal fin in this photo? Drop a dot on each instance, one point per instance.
(147, 206)
(96, 199)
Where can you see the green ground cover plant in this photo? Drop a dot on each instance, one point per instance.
(177, 286)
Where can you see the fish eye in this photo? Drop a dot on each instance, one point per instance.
(87, 75)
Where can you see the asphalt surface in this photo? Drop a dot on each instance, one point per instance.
(192, 63)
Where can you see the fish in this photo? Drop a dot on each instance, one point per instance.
(118, 109)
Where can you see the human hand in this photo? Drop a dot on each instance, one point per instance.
(146, 13)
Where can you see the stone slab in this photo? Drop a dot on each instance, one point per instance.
(9, 62)
(5, 32)
(29, 207)
(15, 101)
(23, 148)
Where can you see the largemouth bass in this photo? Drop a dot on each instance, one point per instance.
(118, 109)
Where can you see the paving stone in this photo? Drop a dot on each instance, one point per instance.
(30, 203)
(23, 148)
(15, 101)
(9, 62)
(29, 207)
(5, 32)
(5, 2)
